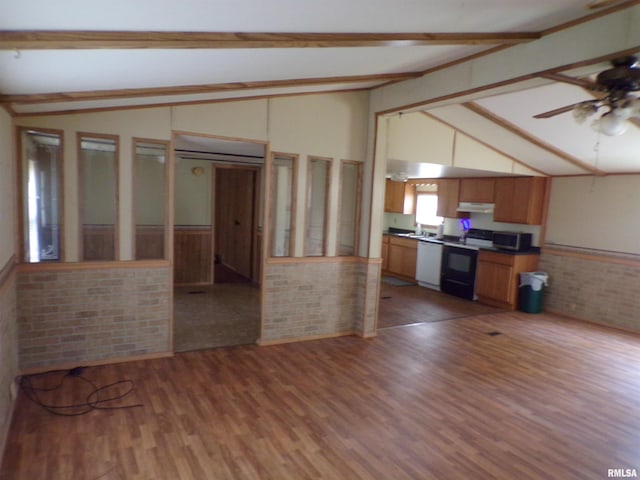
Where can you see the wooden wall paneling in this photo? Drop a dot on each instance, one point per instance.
(149, 242)
(192, 255)
(99, 242)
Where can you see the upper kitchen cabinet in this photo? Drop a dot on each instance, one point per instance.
(399, 197)
(477, 190)
(519, 200)
(448, 197)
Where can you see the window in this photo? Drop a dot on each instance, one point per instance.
(41, 168)
(317, 199)
(150, 192)
(282, 205)
(349, 208)
(98, 196)
(426, 209)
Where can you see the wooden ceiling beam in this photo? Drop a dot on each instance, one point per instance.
(80, 39)
(196, 89)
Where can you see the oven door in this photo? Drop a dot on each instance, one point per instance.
(458, 272)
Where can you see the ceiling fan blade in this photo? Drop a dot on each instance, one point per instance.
(580, 82)
(557, 111)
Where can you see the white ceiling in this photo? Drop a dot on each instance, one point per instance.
(51, 79)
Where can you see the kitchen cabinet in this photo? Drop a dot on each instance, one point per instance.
(385, 252)
(519, 200)
(497, 280)
(402, 256)
(477, 190)
(399, 197)
(448, 197)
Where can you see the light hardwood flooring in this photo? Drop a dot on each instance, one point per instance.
(411, 304)
(546, 398)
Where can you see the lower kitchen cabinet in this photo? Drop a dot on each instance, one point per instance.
(385, 252)
(402, 255)
(497, 280)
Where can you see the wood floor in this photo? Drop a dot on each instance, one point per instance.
(407, 305)
(497, 396)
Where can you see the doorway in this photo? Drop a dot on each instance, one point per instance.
(217, 241)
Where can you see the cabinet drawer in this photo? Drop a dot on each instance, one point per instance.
(494, 257)
(403, 242)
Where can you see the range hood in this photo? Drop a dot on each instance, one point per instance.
(473, 207)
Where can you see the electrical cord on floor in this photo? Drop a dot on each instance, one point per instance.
(92, 402)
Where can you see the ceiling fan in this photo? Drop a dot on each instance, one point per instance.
(612, 89)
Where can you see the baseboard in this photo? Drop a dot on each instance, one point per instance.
(95, 363)
(279, 341)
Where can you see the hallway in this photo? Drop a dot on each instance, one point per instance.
(221, 315)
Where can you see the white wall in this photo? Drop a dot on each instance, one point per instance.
(7, 221)
(595, 212)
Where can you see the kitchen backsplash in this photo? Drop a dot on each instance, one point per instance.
(452, 225)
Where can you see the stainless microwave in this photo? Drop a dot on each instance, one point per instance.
(517, 241)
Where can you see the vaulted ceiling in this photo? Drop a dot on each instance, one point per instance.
(86, 56)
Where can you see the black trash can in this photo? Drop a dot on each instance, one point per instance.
(532, 286)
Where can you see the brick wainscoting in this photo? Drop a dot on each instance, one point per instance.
(600, 288)
(92, 312)
(304, 298)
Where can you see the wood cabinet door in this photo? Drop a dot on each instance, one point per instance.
(494, 281)
(519, 200)
(393, 196)
(479, 190)
(448, 197)
(385, 255)
(395, 259)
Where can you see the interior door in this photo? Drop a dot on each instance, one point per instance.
(234, 204)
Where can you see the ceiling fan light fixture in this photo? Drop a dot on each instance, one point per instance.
(582, 111)
(610, 124)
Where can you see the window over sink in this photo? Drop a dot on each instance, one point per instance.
(426, 209)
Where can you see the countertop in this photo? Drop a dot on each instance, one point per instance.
(452, 240)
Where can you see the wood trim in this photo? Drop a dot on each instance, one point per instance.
(266, 343)
(327, 202)
(604, 256)
(7, 272)
(269, 237)
(72, 266)
(474, 107)
(306, 260)
(167, 153)
(183, 103)
(482, 142)
(25, 99)
(587, 18)
(87, 39)
(20, 195)
(81, 192)
(96, 363)
(357, 220)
